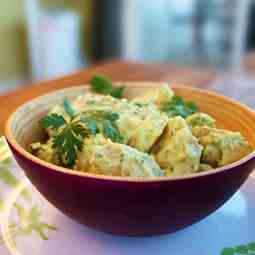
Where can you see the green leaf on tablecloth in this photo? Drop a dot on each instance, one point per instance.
(228, 251)
(251, 246)
(248, 249)
(242, 249)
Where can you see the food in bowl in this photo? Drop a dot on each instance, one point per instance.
(133, 206)
(156, 134)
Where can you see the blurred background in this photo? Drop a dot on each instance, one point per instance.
(44, 39)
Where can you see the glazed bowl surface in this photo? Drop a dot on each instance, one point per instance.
(126, 205)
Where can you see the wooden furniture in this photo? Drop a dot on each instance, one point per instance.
(117, 71)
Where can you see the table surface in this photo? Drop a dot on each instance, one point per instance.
(120, 71)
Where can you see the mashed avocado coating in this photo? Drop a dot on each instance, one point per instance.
(140, 126)
(178, 151)
(101, 156)
(152, 143)
(221, 147)
(200, 119)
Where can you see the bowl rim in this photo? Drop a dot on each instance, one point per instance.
(12, 141)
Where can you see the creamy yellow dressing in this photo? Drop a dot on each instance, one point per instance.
(153, 144)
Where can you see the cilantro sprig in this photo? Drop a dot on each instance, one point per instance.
(103, 85)
(69, 138)
(177, 107)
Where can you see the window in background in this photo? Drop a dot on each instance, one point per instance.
(190, 32)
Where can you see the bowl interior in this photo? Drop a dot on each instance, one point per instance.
(24, 128)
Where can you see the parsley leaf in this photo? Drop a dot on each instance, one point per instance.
(53, 121)
(103, 85)
(68, 108)
(68, 141)
(177, 107)
(192, 107)
(228, 251)
(91, 124)
(69, 138)
(251, 246)
(241, 249)
(118, 92)
(103, 122)
(111, 131)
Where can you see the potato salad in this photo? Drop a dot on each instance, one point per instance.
(156, 134)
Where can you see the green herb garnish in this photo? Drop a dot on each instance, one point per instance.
(53, 121)
(103, 122)
(118, 92)
(68, 108)
(69, 138)
(103, 85)
(242, 249)
(177, 107)
(69, 141)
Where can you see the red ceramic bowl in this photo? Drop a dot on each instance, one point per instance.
(133, 206)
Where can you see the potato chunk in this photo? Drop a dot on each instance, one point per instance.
(178, 150)
(157, 96)
(221, 147)
(104, 157)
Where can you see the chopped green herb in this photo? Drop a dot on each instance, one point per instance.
(192, 107)
(110, 130)
(139, 104)
(177, 107)
(68, 108)
(53, 121)
(69, 138)
(103, 85)
(68, 141)
(118, 92)
(104, 122)
(91, 124)
(111, 116)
